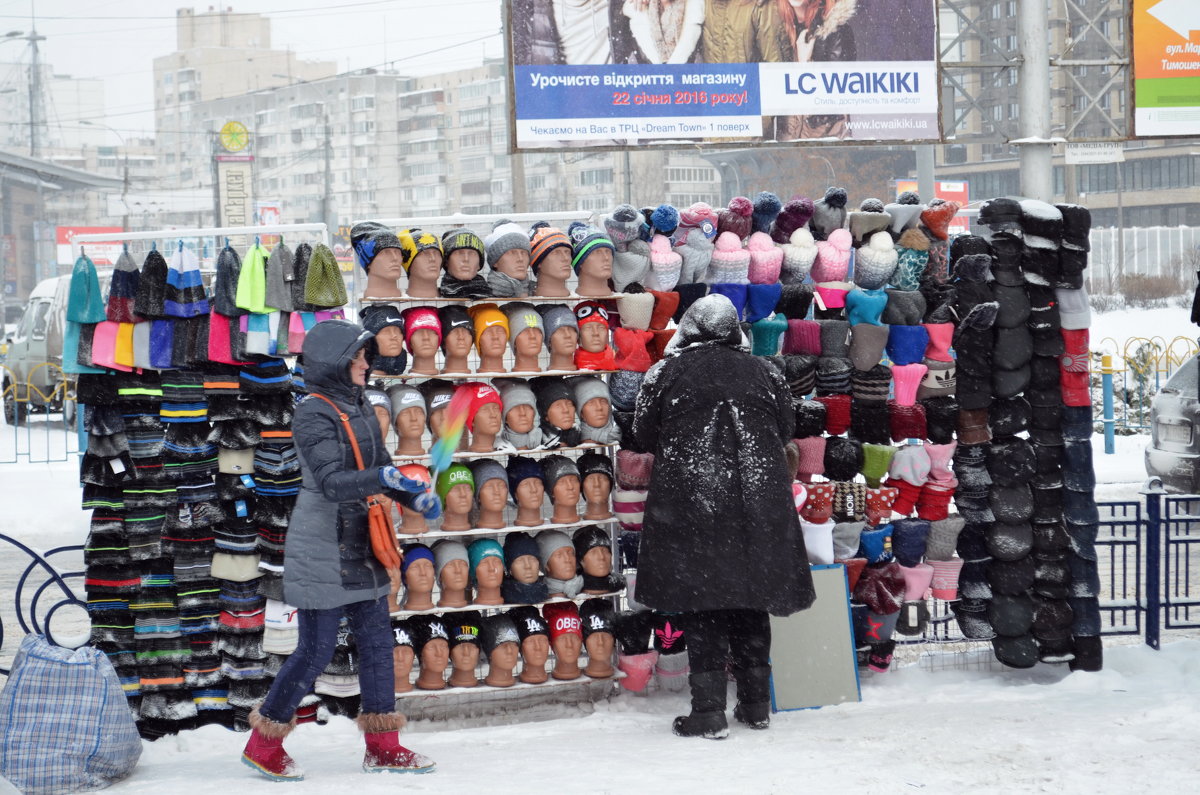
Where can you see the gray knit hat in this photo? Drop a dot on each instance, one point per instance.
(865, 224)
(624, 225)
(377, 397)
(697, 252)
(403, 396)
(554, 317)
(446, 551)
(505, 236)
(550, 541)
(483, 470)
(829, 213)
(521, 315)
(798, 256)
(588, 387)
(631, 265)
(514, 392)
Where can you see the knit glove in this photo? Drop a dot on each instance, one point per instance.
(427, 504)
(390, 478)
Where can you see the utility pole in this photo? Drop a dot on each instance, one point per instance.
(1037, 172)
(35, 91)
(325, 204)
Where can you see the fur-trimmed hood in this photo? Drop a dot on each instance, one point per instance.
(841, 14)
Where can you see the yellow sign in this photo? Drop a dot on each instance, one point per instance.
(234, 136)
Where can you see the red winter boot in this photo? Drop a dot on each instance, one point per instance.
(264, 752)
(384, 751)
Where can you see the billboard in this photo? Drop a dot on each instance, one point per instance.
(100, 253)
(1166, 68)
(604, 74)
(234, 190)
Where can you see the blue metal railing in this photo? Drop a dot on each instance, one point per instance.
(33, 608)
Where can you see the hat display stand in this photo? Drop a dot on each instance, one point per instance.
(483, 703)
(188, 466)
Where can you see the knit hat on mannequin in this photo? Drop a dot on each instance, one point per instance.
(543, 240)
(504, 237)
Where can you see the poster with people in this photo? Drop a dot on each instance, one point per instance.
(607, 73)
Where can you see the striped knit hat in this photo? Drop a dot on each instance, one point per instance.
(542, 240)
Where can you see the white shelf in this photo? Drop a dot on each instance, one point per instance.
(435, 535)
(504, 607)
(400, 460)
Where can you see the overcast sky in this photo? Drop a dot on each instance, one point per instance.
(118, 40)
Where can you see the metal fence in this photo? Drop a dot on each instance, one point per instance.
(1142, 251)
(38, 425)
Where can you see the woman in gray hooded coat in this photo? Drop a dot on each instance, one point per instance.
(330, 570)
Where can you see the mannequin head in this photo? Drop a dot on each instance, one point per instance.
(457, 344)
(592, 319)
(389, 340)
(430, 643)
(593, 550)
(487, 421)
(521, 557)
(564, 341)
(463, 629)
(531, 493)
(597, 487)
(378, 400)
(417, 570)
(458, 335)
(592, 398)
(557, 264)
(453, 568)
(408, 415)
(484, 412)
(437, 393)
(597, 620)
(499, 639)
(566, 490)
(388, 264)
(422, 331)
(534, 635)
(561, 564)
(402, 655)
(591, 255)
(493, 495)
(598, 264)
(427, 265)
(464, 253)
(455, 484)
(520, 405)
(493, 342)
(596, 412)
(514, 263)
(423, 343)
(555, 402)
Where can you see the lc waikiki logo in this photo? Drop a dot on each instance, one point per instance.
(882, 82)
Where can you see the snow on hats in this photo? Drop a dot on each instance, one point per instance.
(521, 315)
(452, 476)
(369, 238)
(376, 317)
(520, 468)
(542, 240)
(456, 239)
(417, 318)
(624, 224)
(875, 262)
(497, 630)
(414, 241)
(799, 253)
(795, 215)
(554, 317)
(730, 263)
(584, 240)
(505, 237)
(554, 468)
(485, 316)
(696, 251)
(481, 395)
(549, 390)
(549, 542)
(829, 213)
(518, 545)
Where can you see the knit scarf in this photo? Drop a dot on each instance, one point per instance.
(569, 588)
(532, 440)
(389, 365)
(519, 593)
(609, 433)
(555, 437)
(504, 286)
(475, 287)
(601, 360)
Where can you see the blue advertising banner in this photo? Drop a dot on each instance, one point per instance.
(613, 73)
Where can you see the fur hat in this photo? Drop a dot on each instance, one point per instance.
(505, 236)
(875, 262)
(833, 257)
(624, 224)
(829, 213)
(795, 215)
(736, 218)
(766, 208)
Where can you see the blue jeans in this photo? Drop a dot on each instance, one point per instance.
(318, 636)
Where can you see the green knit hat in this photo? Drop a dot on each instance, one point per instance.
(876, 460)
(450, 477)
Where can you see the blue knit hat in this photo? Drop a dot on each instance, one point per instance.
(518, 545)
(521, 468)
(736, 293)
(761, 300)
(480, 549)
(906, 344)
(413, 553)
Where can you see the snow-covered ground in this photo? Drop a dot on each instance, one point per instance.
(949, 723)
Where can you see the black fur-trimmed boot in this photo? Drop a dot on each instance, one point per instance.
(707, 719)
(753, 696)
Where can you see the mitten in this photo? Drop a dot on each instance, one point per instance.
(906, 422)
(390, 478)
(671, 671)
(906, 345)
(637, 669)
(940, 457)
(867, 343)
(907, 496)
(943, 537)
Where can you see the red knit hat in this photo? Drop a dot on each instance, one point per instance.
(481, 395)
(421, 317)
(563, 619)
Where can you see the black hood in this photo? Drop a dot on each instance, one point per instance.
(327, 352)
(711, 319)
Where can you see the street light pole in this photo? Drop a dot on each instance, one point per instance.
(124, 168)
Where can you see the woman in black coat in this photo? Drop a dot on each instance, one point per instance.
(329, 569)
(721, 542)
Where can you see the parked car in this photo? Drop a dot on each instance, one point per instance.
(1173, 454)
(31, 378)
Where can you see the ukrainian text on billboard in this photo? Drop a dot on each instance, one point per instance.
(1166, 67)
(597, 73)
